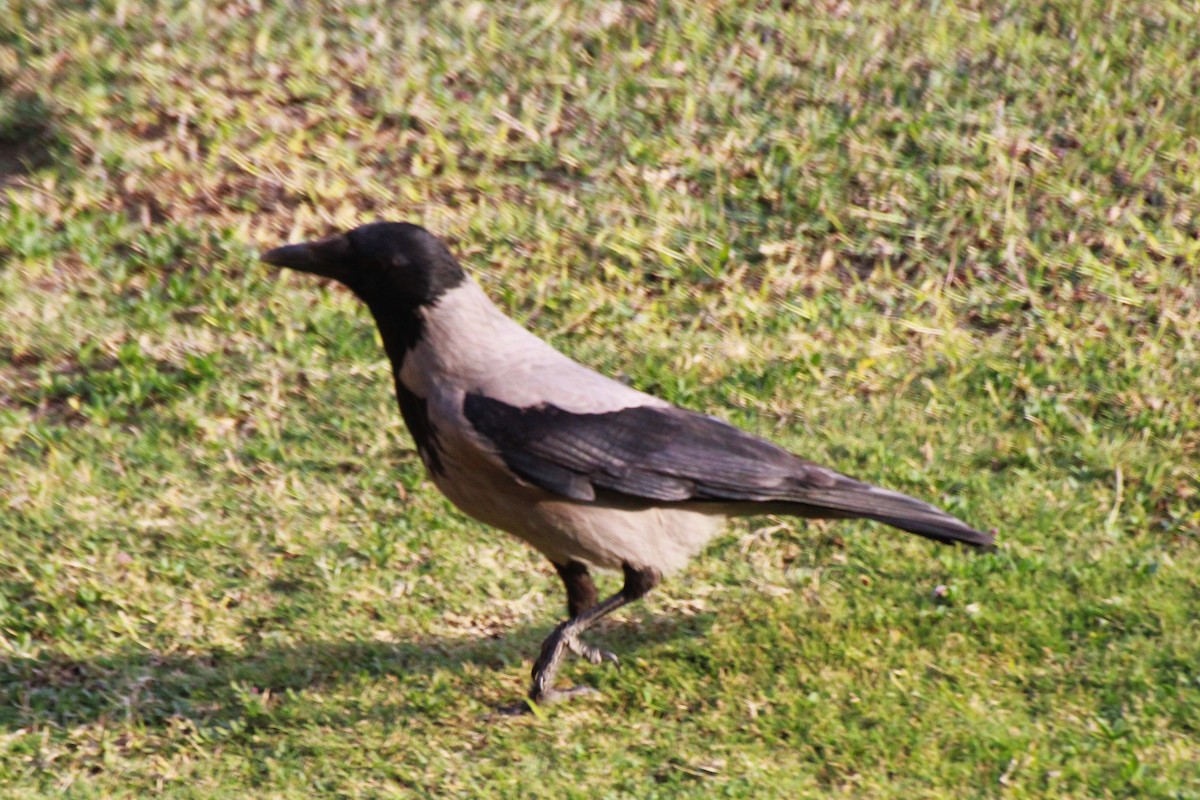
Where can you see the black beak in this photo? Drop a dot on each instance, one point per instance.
(327, 257)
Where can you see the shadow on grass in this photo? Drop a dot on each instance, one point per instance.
(28, 139)
(219, 687)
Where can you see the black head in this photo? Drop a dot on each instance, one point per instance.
(394, 263)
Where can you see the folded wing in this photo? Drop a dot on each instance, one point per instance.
(669, 454)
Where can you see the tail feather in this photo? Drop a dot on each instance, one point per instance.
(854, 498)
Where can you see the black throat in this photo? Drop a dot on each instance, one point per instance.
(401, 327)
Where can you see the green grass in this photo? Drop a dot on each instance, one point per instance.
(947, 247)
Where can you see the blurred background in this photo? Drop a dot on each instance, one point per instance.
(946, 247)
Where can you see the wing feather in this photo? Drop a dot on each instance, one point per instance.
(669, 454)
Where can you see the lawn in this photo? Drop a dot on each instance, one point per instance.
(947, 247)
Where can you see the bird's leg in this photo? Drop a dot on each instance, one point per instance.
(581, 591)
(581, 595)
(567, 637)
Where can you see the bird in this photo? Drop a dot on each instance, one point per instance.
(593, 473)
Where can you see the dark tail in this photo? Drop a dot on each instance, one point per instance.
(851, 498)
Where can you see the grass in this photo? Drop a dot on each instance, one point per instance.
(947, 247)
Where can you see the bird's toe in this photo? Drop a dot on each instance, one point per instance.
(595, 655)
(552, 695)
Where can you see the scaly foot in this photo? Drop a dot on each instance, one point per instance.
(565, 637)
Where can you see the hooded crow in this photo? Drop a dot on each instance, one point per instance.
(592, 473)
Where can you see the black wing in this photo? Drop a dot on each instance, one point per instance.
(669, 454)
